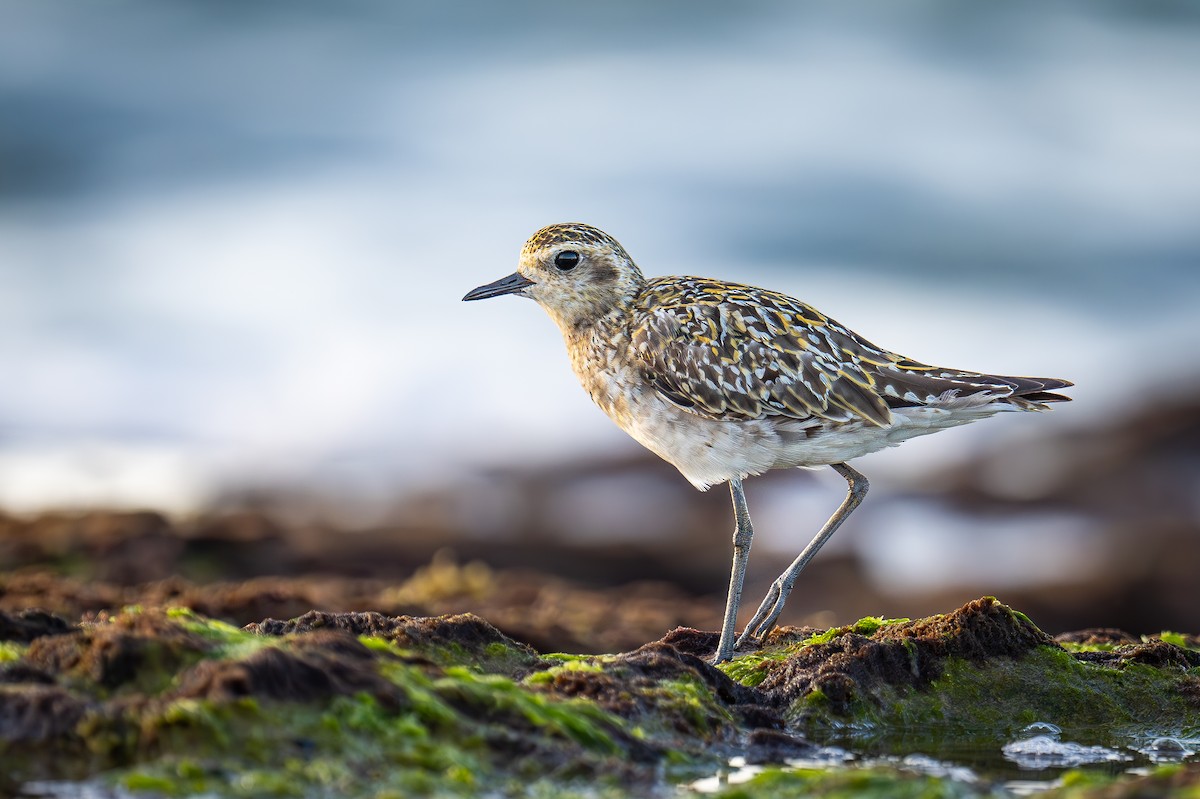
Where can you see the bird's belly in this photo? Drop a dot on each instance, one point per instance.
(706, 451)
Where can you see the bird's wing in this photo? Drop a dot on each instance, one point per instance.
(727, 351)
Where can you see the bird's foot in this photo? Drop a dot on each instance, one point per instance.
(743, 646)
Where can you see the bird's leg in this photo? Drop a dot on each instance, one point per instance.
(768, 612)
(743, 534)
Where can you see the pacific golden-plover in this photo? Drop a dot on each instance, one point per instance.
(725, 381)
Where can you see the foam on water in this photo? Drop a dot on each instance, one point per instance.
(1041, 747)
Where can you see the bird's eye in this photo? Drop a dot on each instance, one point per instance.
(566, 260)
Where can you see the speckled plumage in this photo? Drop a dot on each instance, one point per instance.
(725, 380)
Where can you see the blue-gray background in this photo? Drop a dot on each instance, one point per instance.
(233, 236)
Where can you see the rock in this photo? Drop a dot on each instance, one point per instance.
(370, 704)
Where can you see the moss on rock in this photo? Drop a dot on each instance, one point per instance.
(170, 702)
(983, 670)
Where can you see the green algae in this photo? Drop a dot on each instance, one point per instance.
(220, 633)
(386, 646)
(752, 668)
(1179, 640)
(575, 719)
(570, 657)
(356, 746)
(1016, 614)
(352, 747)
(1075, 646)
(1047, 685)
(748, 670)
(868, 625)
(11, 650)
(997, 699)
(1175, 639)
(574, 665)
(498, 656)
(688, 701)
(226, 642)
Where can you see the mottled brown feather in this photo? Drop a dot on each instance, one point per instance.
(730, 351)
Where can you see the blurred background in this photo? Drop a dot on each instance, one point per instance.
(234, 237)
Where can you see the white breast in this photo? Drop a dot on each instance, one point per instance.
(705, 451)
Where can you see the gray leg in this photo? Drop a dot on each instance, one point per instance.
(768, 612)
(743, 534)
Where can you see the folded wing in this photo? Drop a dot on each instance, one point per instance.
(727, 351)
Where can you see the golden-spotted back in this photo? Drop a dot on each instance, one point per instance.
(729, 351)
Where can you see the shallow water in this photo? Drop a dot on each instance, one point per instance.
(1030, 762)
(1025, 765)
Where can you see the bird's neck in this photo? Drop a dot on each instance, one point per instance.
(586, 332)
(604, 308)
(586, 327)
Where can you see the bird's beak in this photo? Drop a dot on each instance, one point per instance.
(513, 284)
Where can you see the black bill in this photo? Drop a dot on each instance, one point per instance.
(513, 284)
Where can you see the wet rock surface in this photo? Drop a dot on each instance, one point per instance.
(469, 638)
(26, 625)
(165, 700)
(315, 667)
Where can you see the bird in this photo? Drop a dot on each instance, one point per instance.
(726, 381)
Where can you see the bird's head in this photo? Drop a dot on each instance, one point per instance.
(578, 273)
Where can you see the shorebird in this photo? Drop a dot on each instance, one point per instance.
(725, 381)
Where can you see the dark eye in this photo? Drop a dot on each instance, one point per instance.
(566, 260)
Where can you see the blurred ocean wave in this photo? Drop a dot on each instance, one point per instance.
(233, 239)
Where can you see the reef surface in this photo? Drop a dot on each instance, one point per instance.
(163, 700)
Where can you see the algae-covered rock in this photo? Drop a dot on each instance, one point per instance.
(165, 701)
(984, 669)
(461, 639)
